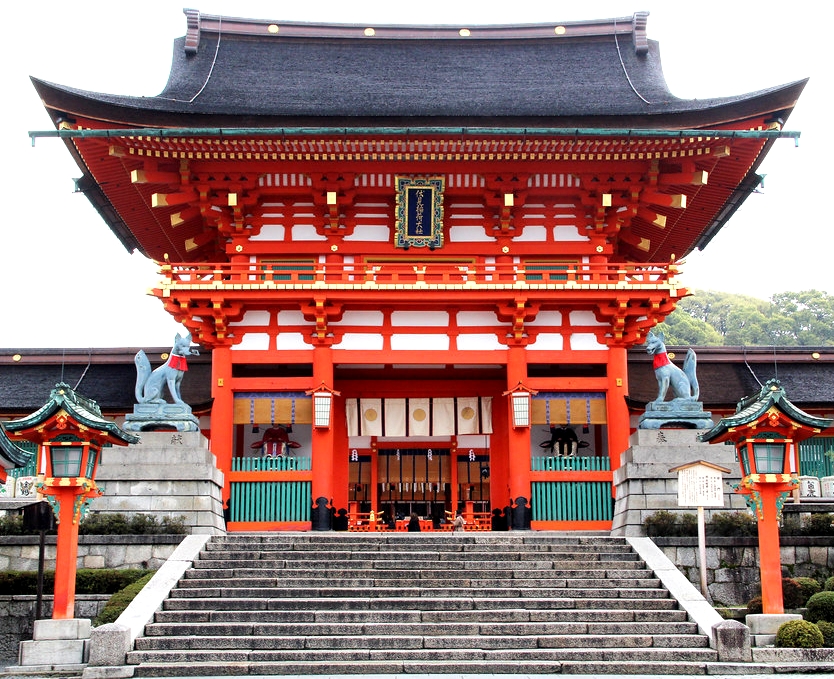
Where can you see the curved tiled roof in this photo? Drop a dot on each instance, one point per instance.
(240, 73)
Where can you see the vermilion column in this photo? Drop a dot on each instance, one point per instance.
(518, 439)
(323, 438)
(619, 424)
(66, 555)
(222, 412)
(770, 559)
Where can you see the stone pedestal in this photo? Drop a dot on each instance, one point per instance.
(764, 626)
(152, 416)
(167, 474)
(678, 412)
(57, 645)
(644, 485)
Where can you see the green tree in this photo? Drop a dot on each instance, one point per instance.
(710, 318)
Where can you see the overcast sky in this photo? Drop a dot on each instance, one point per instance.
(68, 282)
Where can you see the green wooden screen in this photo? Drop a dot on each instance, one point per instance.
(570, 464)
(270, 501)
(813, 460)
(572, 501)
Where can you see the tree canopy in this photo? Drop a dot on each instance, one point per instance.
(709, 318)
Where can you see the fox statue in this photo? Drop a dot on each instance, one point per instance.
(149, 384)
(684, 382)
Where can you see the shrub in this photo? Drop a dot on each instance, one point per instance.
(754, 606)
(799, 634)
(791, 593)
(87, 581)
(120, 600)
(732, 524)
(668, 524)
(827, 629)
(818, 524)
(11, 524)
(688, 525)
(807, 588)
(97, 523)
(829, 584)
(661, 523)
(820, 607)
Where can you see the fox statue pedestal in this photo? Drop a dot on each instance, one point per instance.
(153, 416)
(675, 414)
(168, 474)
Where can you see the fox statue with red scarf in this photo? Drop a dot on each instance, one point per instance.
(149, 384)
(684, 383)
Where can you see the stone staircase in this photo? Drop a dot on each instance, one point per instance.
(389, 603)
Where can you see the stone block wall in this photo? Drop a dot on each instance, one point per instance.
(167, 474)
(733, 563)
(644, 485)
(17, 617)
(20, 552)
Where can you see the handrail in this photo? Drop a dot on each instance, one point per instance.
(271, 275)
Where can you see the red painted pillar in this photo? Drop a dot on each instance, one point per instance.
(222, 412)
(63, 607)
(518, 440)
(323, 438)
(770, 559)
(619, 424)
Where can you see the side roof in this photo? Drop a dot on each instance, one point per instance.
(242, 73)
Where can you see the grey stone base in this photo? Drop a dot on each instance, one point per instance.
(677, 414)
(148, 417)
(644, 485)
(167, 474)
(56, 642)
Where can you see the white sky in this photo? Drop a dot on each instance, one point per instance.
(68, 282)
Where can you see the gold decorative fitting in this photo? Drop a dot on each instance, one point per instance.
(164, 357)
(505, 249)
(559, 30)
(238, 248)
(334, 248)
(464, 32)
(815, 356)
(272, 28)
(370, 32)
(600, 248)
(17, 357)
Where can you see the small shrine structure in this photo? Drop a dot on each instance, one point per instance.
(433, 224)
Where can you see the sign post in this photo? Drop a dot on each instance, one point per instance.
(701, 484)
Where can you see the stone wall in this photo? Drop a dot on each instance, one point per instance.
(17, 617)
(167, 474)
(733, 563)
(20, 552)
(644, 485)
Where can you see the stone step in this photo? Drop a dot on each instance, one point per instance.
(567, 554)
(377, 592)
(670, 619)
(417, 603)
(442, 648)
(604, 560)
(381, 540)
(603, 662)
(282, 551)
(631, 570)
(290, 583)
(518, 630)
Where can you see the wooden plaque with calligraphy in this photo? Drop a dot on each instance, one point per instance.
(419, 214)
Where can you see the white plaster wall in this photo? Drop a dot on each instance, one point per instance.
(252, 318)
(253, 341)
(363, 318)
(291, 341)
(586, 341)
(420, 318)
(270, 232)
(547, 341)
(409, 342)
(480, 342)
(358, 341)
(306, 232)
(584, 318)
(370, 233)
(475, 319)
